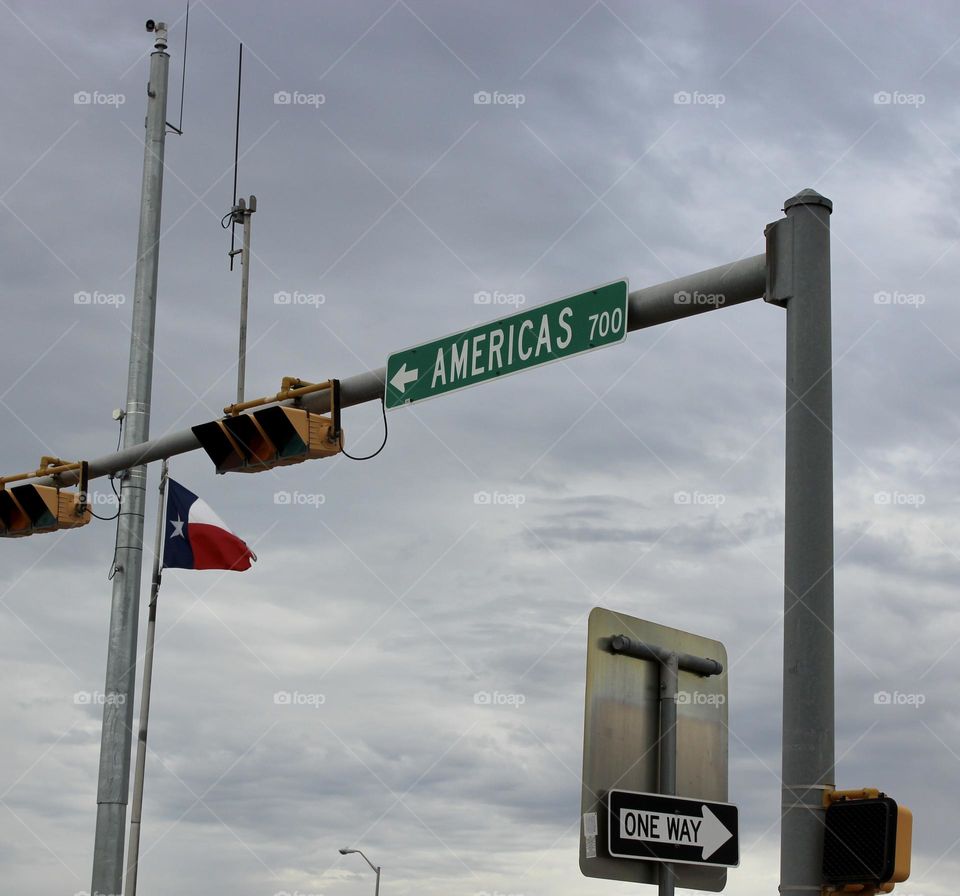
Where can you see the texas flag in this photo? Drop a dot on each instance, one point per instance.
(196, 538)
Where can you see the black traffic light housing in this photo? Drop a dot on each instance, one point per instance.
(261, 434)
(29, 509)
(867, 840)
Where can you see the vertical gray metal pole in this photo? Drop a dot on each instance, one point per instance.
(808, 639)
(136, 807)
(669, 670)
(376, 891)
(247, 212)
(114, 775)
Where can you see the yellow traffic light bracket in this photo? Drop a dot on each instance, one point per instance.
(293, 388)
(834, 796)
(29, 508)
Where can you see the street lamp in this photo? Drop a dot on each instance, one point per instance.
(376, 868)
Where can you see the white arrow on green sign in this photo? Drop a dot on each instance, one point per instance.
(559, 329)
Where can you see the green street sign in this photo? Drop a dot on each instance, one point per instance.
(559, 329)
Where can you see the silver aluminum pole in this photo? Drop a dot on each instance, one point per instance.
(808, 639)
(669, 670)
(247, 212)
(114, 774)
(136, 808)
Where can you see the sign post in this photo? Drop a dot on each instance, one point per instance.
(550, 332)
(798, 263)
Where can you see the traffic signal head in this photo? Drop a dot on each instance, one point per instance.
(867, 841)
(272, 436)
(29, 509)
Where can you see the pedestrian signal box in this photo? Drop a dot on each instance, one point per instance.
(867, 842)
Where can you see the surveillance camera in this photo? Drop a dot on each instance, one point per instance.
(118, 414)
(151, 25)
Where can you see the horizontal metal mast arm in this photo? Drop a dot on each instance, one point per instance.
(729, 284)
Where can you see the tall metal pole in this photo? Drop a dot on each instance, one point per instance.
(114, 775)
(136, 809)
(243, 214)
(808, 639)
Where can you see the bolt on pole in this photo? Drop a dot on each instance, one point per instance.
(808, 623)
(114, 774)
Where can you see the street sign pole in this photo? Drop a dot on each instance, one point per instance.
(114, 775)
(669, 663)
(669, 669)
(802, 278)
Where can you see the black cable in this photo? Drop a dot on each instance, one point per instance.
(383, 407)
(107, 519)
(116, 536)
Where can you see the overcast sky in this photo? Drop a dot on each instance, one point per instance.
(385, 597)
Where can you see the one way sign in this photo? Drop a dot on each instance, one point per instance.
(659, 828)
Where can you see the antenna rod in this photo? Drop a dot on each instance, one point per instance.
(183, 73)
(236, 154)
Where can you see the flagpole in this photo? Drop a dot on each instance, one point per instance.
(133, 849)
